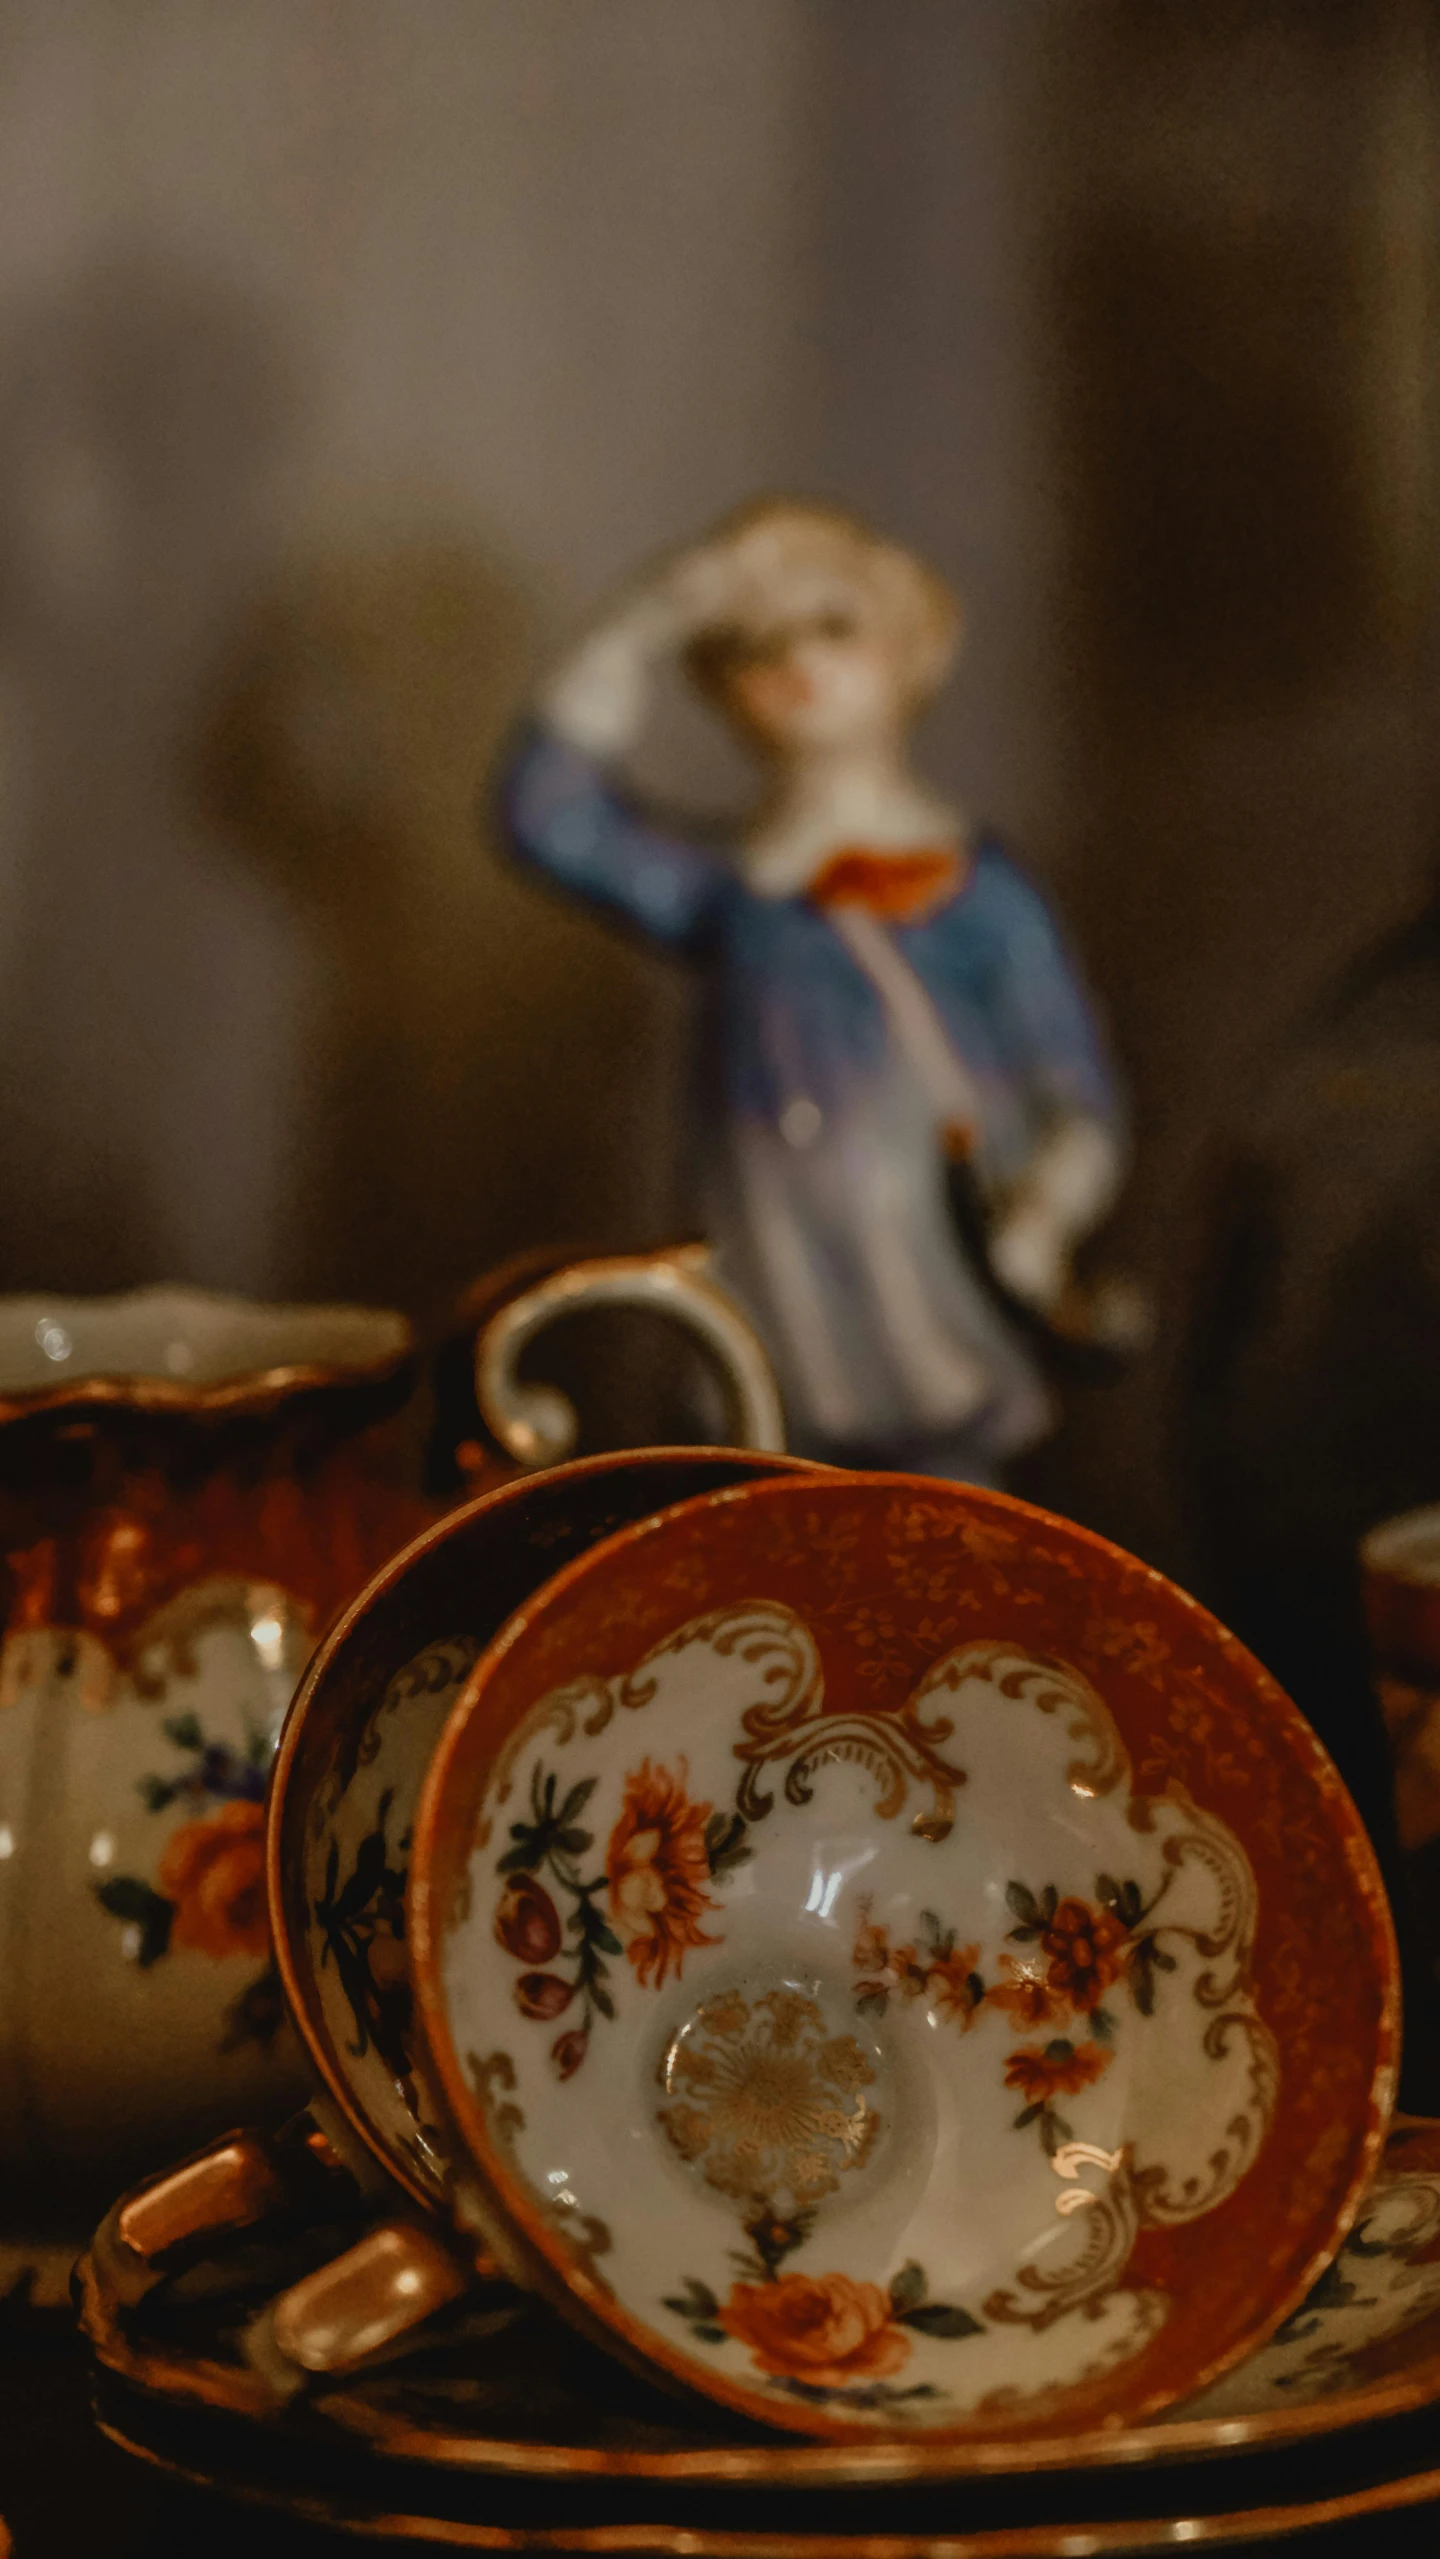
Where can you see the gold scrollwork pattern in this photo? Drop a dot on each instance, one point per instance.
(1165, 2198)
(1101, 1762)
(788, 1726)
(1224, 1986)
(1105, 2222)
(769, 1639)
(587, 2237)
(797, 1732)
(1208, 1844)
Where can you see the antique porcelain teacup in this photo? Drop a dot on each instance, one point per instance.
(892, 1959)
(190, 1488)
(356, 1749)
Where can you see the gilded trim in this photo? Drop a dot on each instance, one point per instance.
(696, 2540)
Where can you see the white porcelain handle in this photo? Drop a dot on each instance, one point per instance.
(537, 1425)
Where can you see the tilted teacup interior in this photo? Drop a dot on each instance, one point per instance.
(868, 1933)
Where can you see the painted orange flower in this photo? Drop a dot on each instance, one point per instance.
(950, 1983)
(214, 1873)
(658, 1866)
(1060, 2069)
(906, 1971)
(884, 1966)
(824, 2329)
(1083, 1946)
(1026, 1997)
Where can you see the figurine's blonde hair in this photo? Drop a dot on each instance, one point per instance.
(790, 559)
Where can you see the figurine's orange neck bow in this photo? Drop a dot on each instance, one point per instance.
(897, 888)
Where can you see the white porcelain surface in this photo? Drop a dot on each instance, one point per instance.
(357, 1855)
(136, 2000)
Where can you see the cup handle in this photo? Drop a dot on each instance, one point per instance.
(537, 1425)
(235, 2182)
(398, 2274)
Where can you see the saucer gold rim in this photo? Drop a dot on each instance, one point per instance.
(1049, 2540)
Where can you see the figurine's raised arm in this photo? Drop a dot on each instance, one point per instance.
(564, 811)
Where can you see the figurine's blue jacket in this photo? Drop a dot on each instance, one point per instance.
(820, 1165)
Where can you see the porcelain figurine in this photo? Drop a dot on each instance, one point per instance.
(886, 991)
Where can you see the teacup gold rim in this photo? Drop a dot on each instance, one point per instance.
(553, 2271)
(317, 1673)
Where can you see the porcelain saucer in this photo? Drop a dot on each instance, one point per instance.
(503, 2430)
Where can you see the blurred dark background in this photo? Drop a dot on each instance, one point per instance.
(348, 353)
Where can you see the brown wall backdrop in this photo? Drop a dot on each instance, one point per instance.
(349, 349)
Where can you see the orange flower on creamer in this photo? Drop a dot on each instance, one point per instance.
(214, 1873)
(824, 2329)
(658, 1866)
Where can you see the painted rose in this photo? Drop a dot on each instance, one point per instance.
(657, 1867)
(527, 1922)
(569, 2050)
(1059, 2069)
(827, 2330)
(543, 1995)
(1083, 1945)
(214, 1873)
(953, 1985)
(1026, 1997)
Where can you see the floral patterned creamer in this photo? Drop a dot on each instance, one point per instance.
(189, 1488)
